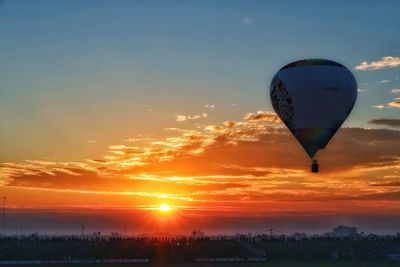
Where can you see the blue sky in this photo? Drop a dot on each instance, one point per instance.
(114, 69)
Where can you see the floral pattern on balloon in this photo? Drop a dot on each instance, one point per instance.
(281, 101)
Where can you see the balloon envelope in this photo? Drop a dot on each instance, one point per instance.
(313, 97)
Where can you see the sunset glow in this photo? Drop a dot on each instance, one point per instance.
(134, 115)
(165, 208)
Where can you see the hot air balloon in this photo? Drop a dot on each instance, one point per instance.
(313, 97)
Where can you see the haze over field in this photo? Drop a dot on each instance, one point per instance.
(109, 109)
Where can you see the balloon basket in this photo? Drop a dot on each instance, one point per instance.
(314, 166)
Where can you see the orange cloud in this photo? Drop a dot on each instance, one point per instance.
(395, 103)
(250, 166)
(262, 116)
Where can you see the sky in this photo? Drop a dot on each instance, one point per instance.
(109, 109)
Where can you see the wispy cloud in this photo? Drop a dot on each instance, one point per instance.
(244, 163)
(386, 122)
(395, 184)
(385, 62)
(182, 117)
(384, 81)
(395, 90)
(262, 116)
(380, 106)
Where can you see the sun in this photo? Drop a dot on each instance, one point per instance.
(165, 207)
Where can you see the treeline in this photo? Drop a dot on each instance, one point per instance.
(186, 249)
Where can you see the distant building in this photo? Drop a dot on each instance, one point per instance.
(116, 234)
(197, 233)
(343, 231)
(299, 236)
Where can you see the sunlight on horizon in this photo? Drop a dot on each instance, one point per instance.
(164, 207)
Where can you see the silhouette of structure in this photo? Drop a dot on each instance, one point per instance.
(4, 215)
(314, 166)
(343, 231)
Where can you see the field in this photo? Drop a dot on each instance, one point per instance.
(186, 252)
(262, 264)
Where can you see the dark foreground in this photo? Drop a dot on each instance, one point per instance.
(263, 264)
(214, 252)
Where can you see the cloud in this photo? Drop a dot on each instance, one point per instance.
(209, 106)
(384, 81)
(361, 90)
(394, 184)
(255, 146)
(380, 106)
(395, 103)
(385, 62)
(248, 20)
(88, 182)
(10, 172)
(181, 117)
(395, 90)
(250, 166)
(382, 196)
(386, 122)
(262, 116)
(145, 151)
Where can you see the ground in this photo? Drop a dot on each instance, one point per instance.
(246, 264)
